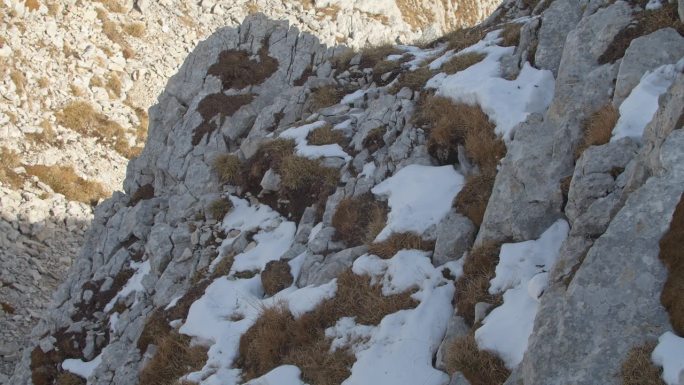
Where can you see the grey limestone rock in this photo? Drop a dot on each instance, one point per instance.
(455, 235)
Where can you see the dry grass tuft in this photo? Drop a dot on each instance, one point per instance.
(9, 160)
(638, 369)
(214, 109)
(473, 286)
(69, 379)
(326, 135)
(453, 124)
(19, 81)
(219, 208)
(174, 358)
(480, 367)
(325, 96)
(371, 56)
(229, 169)
(270, 155)
(598, 128)
(65, 181)
(415, 80)
(510, 36)
(461, 62)
(462, 38)
(32, 5)
(143, 192)
(277, 338)
(276, 277)
(299, 174)
(415, 13)
(472, 200)
(237, 70)
(81, 117)
(359, 220)
(672, 256)
(645, 22)
(111, 29)
(135, 29)
(114, 85)
(374, 139)
(399, 241)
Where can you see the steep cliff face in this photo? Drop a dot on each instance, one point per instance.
(485, 209)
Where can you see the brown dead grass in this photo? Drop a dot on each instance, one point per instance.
(69, 379)
(174, 358)
(219, 208)
(135, 29)
(114, 85)
(270, 155)
(672, 256)
(277, 338)
(480, 367)
(510, 36)
(638, 369)
(19, 80)
(462, 38)
(356, 219)
(461, 62)
(215, 108)
(81, 117)
(276, 277)
(644, 23)
(229, 169)
(453, 124)
(237, 70)
(143, 193)
(598, 128)
(325, 96)
(65, 181)
(111, 30)
(399, 241)
(416, 13)
(473, 286)
(374, 139)
(46, 137)
(415, 80)
(113, 5)
(371, 56)
(472, 200)
(9, 160)
(326, 135)
(32, 5)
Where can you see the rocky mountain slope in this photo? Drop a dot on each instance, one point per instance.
(77, 80)
(502, 205)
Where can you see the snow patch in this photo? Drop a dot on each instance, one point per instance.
(134, 284)
(670, 355)
(638, 109)
(299, 134)
(521, 273)
(282, 375)
(82, 368)
(418, 197)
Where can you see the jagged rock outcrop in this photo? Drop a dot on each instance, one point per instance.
(269, 150)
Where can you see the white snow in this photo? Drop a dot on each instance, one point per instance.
(670, 355)
(270, 245)
(637, 110)
(228, 308)
(419, 197)
(521, 275)
(298, 134)
(506, 102)
(399, 350)
(82, 368)
(282, 375)
(134, 283)
(654, 4)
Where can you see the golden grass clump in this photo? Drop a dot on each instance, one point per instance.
(301, 174)
(638, 369)
(276, 277)
(19, 80)
(359, 220)
(135, 29)
(9, 160)
(415, 80)
(81, 117)
(114, 85)
(113, 5)
(371, 56)
(463, 38)
(399, 241)
(219, 208)
(65, 181)
(598, 128)
(472, 200)
(374, 139)
(229, 169)
(473, 286)
(32, 5)
(325, 96)
(326, 135)
(672, 256)
(237, 70)
(461, 62)
(480, 367)
(175, 357)
(416, 14)
(278, 338)
(46, 137)
(510, 36)
(645, 22)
